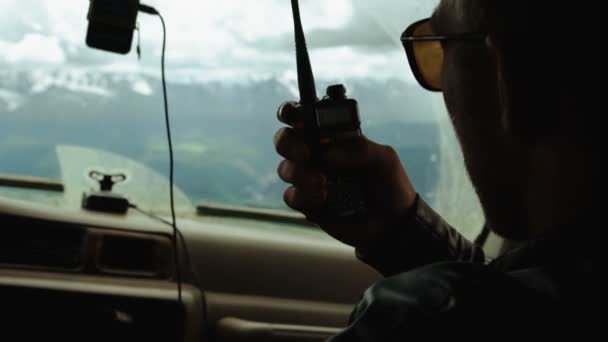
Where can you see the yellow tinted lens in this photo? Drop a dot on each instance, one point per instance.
(429, 56)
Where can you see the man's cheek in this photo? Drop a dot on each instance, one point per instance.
(470, 92)
(455, 97)
(450, 89)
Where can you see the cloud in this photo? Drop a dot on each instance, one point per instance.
(142, 87)
(34, 49)
(343, 62)
(10, 99)
(373, 26)
(229, 39)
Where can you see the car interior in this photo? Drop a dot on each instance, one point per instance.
(89, 250)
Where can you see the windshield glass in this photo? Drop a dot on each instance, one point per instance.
(229, 65)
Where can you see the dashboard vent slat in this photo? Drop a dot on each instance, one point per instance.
(42, 245)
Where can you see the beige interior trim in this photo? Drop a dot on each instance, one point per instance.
(138, 288)
(112, 286)
(276, 310)
(36, 211)
(252, 270)
(239, 330)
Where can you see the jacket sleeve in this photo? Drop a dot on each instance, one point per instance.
(454, 302)
(419, 238)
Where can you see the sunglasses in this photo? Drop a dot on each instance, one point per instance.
(425, 52)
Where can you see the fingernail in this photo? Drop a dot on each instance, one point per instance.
(277, 136)
(281, 112)
(282, 167)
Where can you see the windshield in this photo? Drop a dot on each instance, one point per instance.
(229, 65)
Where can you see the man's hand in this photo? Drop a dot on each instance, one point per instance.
(387, 188)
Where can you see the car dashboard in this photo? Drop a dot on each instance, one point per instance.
(74, 276)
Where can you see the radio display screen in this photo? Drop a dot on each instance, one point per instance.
(334, 116)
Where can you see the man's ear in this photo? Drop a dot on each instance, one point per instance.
(523, 94)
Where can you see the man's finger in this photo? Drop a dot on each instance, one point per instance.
(304, 201)
(290, 146)
(289, 113)
(358, 153)
(301, 176)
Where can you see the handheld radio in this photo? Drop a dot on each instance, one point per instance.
(333, 119)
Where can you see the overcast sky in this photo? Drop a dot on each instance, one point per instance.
(222, 38)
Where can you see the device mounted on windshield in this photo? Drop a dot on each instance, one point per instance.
(112, 24)
(333, 119)
(105, 200)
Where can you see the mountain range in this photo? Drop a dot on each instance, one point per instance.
(222, 130)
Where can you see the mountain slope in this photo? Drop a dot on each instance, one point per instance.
(223, 131)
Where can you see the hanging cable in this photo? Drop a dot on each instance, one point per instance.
(178, 276)
(182, 239)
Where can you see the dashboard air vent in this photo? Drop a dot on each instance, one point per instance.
(134, 255)
(42, 245)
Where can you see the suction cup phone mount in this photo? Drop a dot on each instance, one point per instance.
(105, 200)
(107, 181)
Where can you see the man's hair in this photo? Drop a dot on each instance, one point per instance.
(559, 45)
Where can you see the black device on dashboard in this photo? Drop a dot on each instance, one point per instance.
(333, 119)
(112, 24)
(105, 200)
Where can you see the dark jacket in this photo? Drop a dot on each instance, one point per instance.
(438, 285)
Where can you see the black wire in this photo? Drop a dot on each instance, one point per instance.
(195, 276)
(178, 276)
(171, 164)
(150, 215)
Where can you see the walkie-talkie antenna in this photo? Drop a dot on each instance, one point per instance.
(306, 79)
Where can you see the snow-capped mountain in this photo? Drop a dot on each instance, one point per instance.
(222, 131)
(379, 99)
